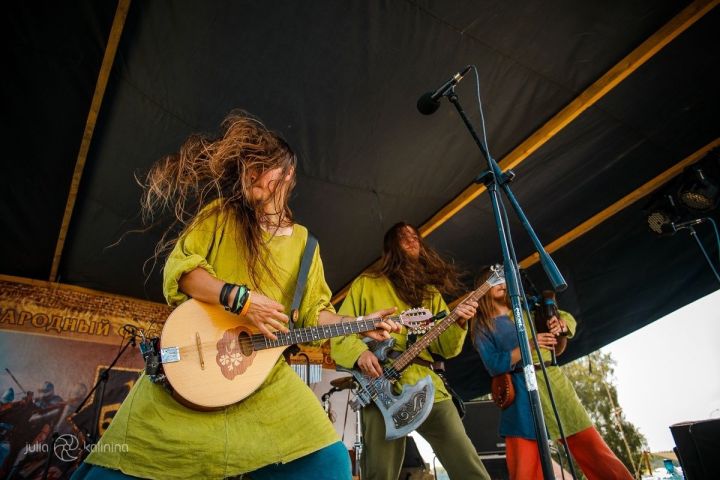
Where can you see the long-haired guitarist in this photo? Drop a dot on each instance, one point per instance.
(239, 248)
(410, 274)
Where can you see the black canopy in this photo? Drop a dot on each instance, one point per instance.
(587, 101)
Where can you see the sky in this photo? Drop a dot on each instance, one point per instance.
(667, 372)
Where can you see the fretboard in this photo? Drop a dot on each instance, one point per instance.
(321, 332)
(408, 355)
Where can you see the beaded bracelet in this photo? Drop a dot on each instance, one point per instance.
(241, 298)
(233, 307)
(246, 305)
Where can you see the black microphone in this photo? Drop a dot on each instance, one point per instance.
(429, 102)
(132, 332)
(673, 227)
(689, 223)
(130, 329)
(548, 304)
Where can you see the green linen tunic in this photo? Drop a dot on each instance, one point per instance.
(369, 294)
(153, 436)
(573, 415)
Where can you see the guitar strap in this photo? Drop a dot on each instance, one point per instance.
(305, 263)
(150, 347)
(302, 278)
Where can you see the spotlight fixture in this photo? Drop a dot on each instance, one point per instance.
(689, 200)
(698, 192)
(661, 214)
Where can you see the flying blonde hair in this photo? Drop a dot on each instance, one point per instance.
(210, 175)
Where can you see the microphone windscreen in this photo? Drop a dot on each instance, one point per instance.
(548, 295)
(549, 305)
(427, 105)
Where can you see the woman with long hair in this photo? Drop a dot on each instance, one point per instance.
(239, 247)
(495, 338)
(410, 274)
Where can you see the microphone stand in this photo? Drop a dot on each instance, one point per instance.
(100, 387)
(694, 234)
(494, 179)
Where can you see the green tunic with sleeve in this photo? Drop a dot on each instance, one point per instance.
(153, 436)
(369, 294)
(573, 415)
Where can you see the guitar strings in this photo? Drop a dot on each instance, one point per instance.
(258, 341)
(376, 384)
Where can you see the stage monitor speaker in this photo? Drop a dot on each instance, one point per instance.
(413, 466)
(698, 448)
(412, 459)
(496, 466)
(482, 423)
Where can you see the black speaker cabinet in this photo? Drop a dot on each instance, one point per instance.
(698, 448)
(413, 467)
(496, 466)
(412, 459)
(482, 422)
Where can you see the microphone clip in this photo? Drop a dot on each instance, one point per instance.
(430, 102)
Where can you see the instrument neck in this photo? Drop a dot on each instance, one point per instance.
(407, 357)
(321, 332)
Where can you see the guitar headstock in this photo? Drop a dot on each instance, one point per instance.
(497, 275)
(416, 320)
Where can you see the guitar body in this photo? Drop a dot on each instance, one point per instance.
(213, 358)
(403, 412)
(208, 358)
(380, 349)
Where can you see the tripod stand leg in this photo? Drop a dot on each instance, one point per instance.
(358, 443)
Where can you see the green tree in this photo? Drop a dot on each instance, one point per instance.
(592, 377)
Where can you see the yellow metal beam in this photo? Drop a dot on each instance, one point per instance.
(618, 206)
(103, 77)
(634, 60)
(681, 22)
(624, 202)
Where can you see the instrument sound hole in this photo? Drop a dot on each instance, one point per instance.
(245, 342)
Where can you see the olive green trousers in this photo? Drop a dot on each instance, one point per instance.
(443, 430)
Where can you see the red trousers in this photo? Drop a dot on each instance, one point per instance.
(590, 451)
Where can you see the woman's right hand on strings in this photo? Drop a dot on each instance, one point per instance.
(369, 365)
(546, 340)
(266, 313)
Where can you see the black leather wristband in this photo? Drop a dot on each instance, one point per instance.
(225, 293)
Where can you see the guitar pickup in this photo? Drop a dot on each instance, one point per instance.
(170, 355)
